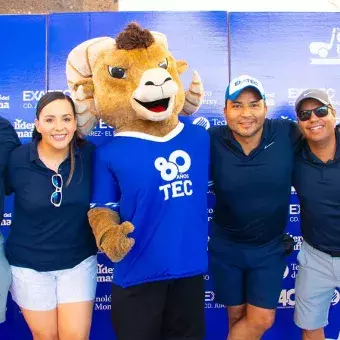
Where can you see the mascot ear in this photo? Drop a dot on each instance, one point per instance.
(181, 66)
(86, 112)
(160, 38)
(193, 96)
(79, 72)
(84, 89)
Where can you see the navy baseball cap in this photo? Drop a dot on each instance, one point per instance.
(237, 85)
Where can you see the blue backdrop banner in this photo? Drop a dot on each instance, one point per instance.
(288, 52)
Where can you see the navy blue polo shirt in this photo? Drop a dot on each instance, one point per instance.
(8, 141)
(252, 191)
(318, 187)
(44, 237)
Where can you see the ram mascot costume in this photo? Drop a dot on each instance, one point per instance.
(149, 211)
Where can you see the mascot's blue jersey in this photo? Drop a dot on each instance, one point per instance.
(160, 185)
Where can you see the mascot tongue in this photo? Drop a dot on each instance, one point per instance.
(158, 108)
(157, 105)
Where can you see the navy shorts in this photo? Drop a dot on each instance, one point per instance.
(247, 274)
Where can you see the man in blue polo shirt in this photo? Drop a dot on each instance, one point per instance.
(317, 182)
(252, 162)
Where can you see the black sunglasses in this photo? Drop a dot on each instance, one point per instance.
(320, 112)
(57, 195)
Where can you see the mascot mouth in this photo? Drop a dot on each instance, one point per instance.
(160, 105)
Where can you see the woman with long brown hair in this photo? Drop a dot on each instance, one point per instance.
(51, 248)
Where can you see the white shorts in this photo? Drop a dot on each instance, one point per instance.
(41, 291)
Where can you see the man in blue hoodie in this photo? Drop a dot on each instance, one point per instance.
(8, 141)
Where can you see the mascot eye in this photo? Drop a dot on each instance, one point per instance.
(117, 72)
(163, 64)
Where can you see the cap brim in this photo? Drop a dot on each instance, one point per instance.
(297, 105)
(237, 93)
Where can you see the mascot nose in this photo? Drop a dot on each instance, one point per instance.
(153, 84)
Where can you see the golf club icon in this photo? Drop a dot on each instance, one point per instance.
(322, 48)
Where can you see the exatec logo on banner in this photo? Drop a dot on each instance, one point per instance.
(326, 52)
(4, 102)
(294, 211)
(294, 92)
(104, 273)
(31, 97)
(175, 168)
(209, 296)
(209, 300)
(202, 121)
(23, 129)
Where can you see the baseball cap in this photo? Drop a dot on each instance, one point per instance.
(237, 85)
(317, 94)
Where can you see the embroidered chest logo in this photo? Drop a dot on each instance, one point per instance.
(175, 171)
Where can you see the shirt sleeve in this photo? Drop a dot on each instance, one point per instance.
(8, 142)
(295, 134)
(105, 191)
